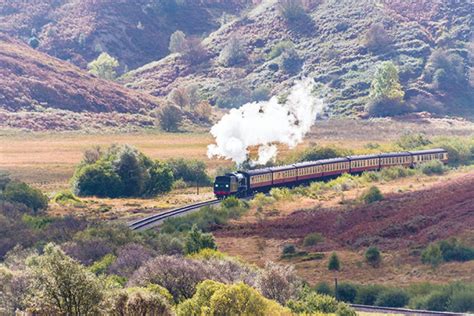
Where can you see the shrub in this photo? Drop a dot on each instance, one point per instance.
(20, 192)
(312, 239)
(230, 202)
(203, 111)
(66, 197)
(137, 301)
(295, 16)
(346, 292)
(177, 42)
(233, 95)
(453, 250)
(197, 240)
(291, 63)
(98, 179)
(129, 258)
(377, 38)
(33, 42)
(345, 310)
(437, 301)
(104, 67)
(392, 298)
(279, 48)
(334, 264)
(281, 194)
(427, 103)
(367, 295)
(323, 288)
(288, 249)
(233, 53)
(277, 282)
(194, 52)
(189, 170)
(101, 266)
(170, 118)
(373, 256)
(313, 303)
(432, 167)
(317, 153)
(462, 301)
(412, 141)
(180, 97)
(432, 255)
(446, 71)
(4, 180)
(373, 194)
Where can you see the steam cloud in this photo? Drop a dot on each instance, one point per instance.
(264, 124)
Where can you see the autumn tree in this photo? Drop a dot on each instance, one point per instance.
(177, 42)
(170, 118)
(104, 67)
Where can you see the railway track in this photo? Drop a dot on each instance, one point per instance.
(156, 219)
(399, 311)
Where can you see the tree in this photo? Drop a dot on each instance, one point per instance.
(392, 298)
(170, 118)
(177, 42)
(373, 257)
(138, 301)
(233, 53)
(62, 285)
(21, 192)
(373, 194)
(334, 264)
(197, 240)
(377, 38)
(386, 93)
(446, 71)
(432, 255)
(131, 171)
(291, 63)
(160, 180)
(33, 42)
(104, 67)
(277, 282)
(180, 97)
(194, 52)
(99, 179)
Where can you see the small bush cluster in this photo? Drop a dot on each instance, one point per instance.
(233, 53)
(446, 251)
(121, 171)
(312, 239)
(20, 192)
(432, 167)
(373, 194)
(373, 256)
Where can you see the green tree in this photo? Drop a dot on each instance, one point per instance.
(161, 179)
(98, 179)
(131, 171)
(33, 42)
(21, 192)
(170, 118)
(432, 255)
(197, 240)
(334, 264)
(373, 256)
(104, 67)
(177, 42)
(60, 285)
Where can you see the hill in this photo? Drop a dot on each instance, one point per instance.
(134, 32)
(338, 43)
(38, 91)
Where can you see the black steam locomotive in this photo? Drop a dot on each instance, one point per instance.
(244, 183)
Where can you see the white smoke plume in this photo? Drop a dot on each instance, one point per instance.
(265, 124)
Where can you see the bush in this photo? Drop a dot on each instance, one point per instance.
(101, 266)
(194, 52)
(233, 53)
(392, 298)
(462, 301)
(291, 63)
(230, 202)
(177, 42)
(20, 192)
(373, 256)
(288, 250)
(412, 141)
(279, 48)
(432, 255)
(446, 71)
(189, 170)
(104, 67)
(432, 167)
(383, 106)
(367, 294)
(33, 42)
(334, 264)
(295, 16)
(317, 153)
(98, 179)
(138, 301)
(170, 118)
(196, 240)
(312, 239)
(346, 292)
(313, 303)
(66, 197)
(453, 250)
(373, 194)
(323, 288)
(278, 282)
(233, 95)
(377, 38)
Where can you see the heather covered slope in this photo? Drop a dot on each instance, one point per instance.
(332, 46)
(135, 32)
(30, 79)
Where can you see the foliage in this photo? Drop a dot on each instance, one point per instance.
(373, 256)
(277, 282)
(62, 285)
(373, 194)
(386, 93)
(66, 197)
(279, 48)
(432, 167)
(446, 71)
(453, 297)
(104, 66)
(208, 254)
(4, 179)
(214, 298)
(189, 170)
(129, 258)
(233, 95)
(313, 303)
(180, 97)
(296, 16)
(432, 255)
(170, 118)
(196, 240)
(392, 298)
(194, 52)
(33, 42)
(233, 53)
(177, 42)
(346, 292)
(312, 239)
(281, 194)
(288, 249)
(334, 264)
(367, 295)
(323, 288)
(317, 153)
(291, 63)
(20, 192)
(377, 39)
(137, 301)
(101, 266)
(122, 171)
(412, 141)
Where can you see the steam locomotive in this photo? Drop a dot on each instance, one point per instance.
(245, 183)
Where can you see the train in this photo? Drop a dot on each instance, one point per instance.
(246, 183)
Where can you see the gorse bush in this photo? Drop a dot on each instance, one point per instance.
(66, 197)
(373, 194)
(313, 303)
(334, 263)
(432, 255)
(373, 256)
(104, 67)
(122, 171)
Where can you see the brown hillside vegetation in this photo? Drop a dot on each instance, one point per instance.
(135, 32)
(401, 221)
(29, 78)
